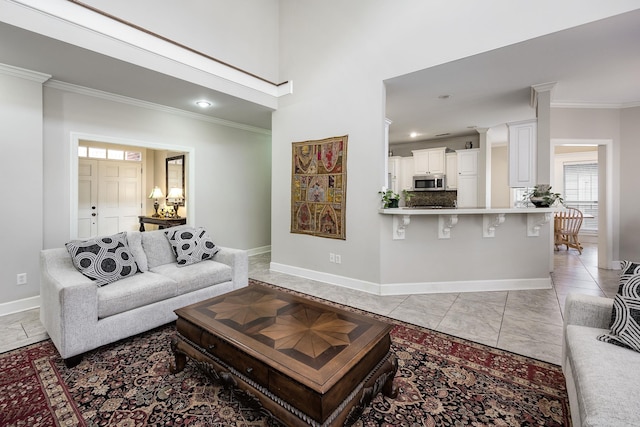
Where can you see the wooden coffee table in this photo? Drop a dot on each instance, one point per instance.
(304, 361)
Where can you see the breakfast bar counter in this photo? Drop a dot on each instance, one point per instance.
(449, 217)
(428, 250)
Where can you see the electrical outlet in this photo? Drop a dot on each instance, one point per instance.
(338, 259)
(21, 279)
(332, 257)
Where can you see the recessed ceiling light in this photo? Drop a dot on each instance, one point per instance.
(203, 104)
(413, 134)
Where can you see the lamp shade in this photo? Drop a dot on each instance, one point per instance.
(175, 193)
(156, 193)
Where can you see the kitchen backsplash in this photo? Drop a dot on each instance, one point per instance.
(445, 199)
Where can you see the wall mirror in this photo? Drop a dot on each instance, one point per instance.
(175, 175)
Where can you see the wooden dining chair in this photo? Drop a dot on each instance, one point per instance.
(567, 223)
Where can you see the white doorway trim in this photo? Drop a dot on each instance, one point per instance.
(605, 224)
(76, 137)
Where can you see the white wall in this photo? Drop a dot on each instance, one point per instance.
(629, 181)
(243, 33)
(338, 54)
(232, 166)
(21, 178)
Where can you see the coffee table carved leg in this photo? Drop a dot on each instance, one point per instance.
(383, 383)
(389, 389)
(180, 358)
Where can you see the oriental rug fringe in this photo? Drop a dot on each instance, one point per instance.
(442, 381)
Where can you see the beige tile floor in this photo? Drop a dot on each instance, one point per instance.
(524, 322)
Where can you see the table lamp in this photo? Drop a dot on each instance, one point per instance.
(156, 194)
(175, 194)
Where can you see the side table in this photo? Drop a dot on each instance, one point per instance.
(160, 221)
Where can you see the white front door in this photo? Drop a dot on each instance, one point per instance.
(109, 197)
(119, 196)
(87, 198)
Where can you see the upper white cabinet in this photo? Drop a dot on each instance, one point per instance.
(522, 153)
(468, 161)
(451, 170)
(429, 161)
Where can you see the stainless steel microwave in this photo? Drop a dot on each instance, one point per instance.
(433, 182)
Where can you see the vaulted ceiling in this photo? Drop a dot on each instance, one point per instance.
(594, 65)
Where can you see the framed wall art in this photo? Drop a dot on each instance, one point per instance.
(319, 187)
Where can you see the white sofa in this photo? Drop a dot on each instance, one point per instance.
(603, 380)
(80, 316)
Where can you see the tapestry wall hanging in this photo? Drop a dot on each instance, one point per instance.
(319, 187)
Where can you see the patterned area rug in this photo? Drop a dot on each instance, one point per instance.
(442, 381)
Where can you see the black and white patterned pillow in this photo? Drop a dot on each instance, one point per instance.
(103, 259)
(628, 270)
(625, 316)
(191, 245)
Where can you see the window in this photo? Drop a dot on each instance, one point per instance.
(97, 153)
(581, 191)
(115, 154)
(108, 153)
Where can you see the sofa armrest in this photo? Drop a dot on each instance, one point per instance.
(69, 301)
(587, 310)
(238, 260)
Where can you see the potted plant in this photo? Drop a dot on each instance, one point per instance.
(542, 197)
(390, 198)
(407, 196)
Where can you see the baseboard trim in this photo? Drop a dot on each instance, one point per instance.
(259, 250)
(418, 287)
(465, 286)
(19, 305)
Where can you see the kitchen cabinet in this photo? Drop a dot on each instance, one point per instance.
(406, 173)
(451, 170)
(394, 169)
(468, 161)
(468, 178)
(400, 171)
(429, 161)
(522, 148)
(467, 191)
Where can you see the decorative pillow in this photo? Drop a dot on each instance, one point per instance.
(625, 316)
(103, 259)
(191, 245)
(628, 270)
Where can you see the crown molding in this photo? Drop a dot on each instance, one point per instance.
(536, 89)
(23, 73)
(615, 106)
(68, 87)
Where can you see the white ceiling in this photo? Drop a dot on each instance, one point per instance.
(597, 64)
(71, 64)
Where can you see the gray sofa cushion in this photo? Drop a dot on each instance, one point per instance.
(606, 378)
(137, 291)
(196, 276)
(134, 238)
(157, 248)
